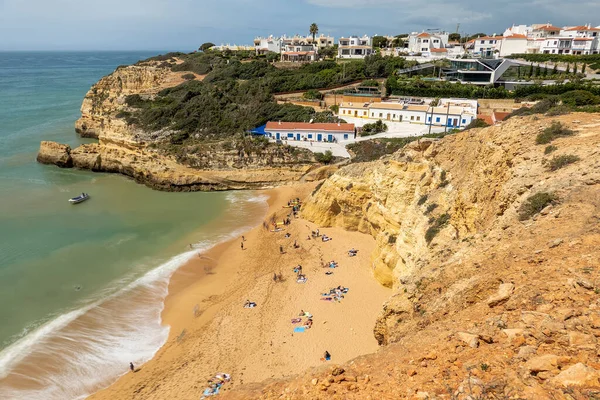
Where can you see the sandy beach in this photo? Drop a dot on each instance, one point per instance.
(212, 332)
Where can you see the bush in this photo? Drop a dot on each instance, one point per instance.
(562, 161)
(189, 77)
(374, 128)
(536, 203)
(324, 158)
(555, 130)
(436, 227)
(558, 110)
(430, 208)
(422, 200)
(312, 94)
(550, 149)
(477, 123)
(576, 98)
(369, 150)
(335, 108)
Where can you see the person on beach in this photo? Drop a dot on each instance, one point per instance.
(280, 249)
(242, 244)
(327, 356)
(243, 238)
(131, 367)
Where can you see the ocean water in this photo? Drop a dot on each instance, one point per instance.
(81, 286)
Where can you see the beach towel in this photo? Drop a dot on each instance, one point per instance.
(296, 320)
(299, 329)
(210, 392)
(302, 280)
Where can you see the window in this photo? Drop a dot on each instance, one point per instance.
(464, 121)
(372, 114)
(437, 119)
(436, 41)
(425, 41)
(380, 115)
(345, 136)
(482, 42)
(365, 113)
(418, 118)
(424, 49)
(310, 135)
(290, 135)
(412, 117)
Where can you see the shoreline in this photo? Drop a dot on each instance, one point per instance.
(211, 332)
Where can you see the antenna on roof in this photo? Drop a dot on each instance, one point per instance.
(311, 121)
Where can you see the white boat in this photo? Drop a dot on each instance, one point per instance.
(79, 199)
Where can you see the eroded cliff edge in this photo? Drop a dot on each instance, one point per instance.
(126, 149)
(490, 242)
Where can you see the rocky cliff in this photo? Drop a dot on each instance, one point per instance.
(125, 149)
(490, 242)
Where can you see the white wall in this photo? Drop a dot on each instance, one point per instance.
(308, 135)
(513, 46)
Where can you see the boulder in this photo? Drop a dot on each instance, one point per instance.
(547, 362)
(55, 153)
(578, 375)
(469, 338)
(505, 290)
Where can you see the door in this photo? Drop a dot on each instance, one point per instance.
(277, 136)
(319, 137)
(355, 113)
(330, 138)
(297, 136)
(388, 116)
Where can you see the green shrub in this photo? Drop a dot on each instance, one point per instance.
(312, 94)
(335, 108)
(392, 239)
(436, 227)
(477, 123)
(576, 98)
(558, 110)
(188, 77)
(562, 161)
(536, 203)
(422, 200)
(374, 128)
(549, 149)
(554, 131)
(430, 208)
(374, 149)
(324, 158)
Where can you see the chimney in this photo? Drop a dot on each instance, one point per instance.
(279, 122)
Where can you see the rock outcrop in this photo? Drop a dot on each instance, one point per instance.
(488, 302)
(55, 153)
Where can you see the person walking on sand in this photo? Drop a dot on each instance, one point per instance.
(242, 245)
(243, 239)
(327, 356)
(280, 249)
(131, 367)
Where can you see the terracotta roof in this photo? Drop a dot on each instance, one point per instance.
(515, 36)
(582, 28)
(500, 116)
(423, 35)
(439, 50)
(387, 106)
(547, 28)
(305, 126)
(486, 118)
(297, 53)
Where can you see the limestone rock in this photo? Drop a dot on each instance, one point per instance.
(55, 153)
(578, 375)
(505, 290)
(469, 338)
(547, 362)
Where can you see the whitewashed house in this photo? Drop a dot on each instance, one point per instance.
(268, 45)
(306, 131)
(426, 42)
(549, 39)
(355, 47)
(299, 53)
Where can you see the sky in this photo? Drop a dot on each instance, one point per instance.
(183, 25)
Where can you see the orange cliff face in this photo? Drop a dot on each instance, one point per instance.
(495, 295)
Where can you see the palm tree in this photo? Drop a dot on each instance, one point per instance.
(314, 29)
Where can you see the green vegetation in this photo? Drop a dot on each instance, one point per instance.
(335, 108)
(477, 123)
(559, 162)
(549, 149)
(592, 60)
(188, 77)
(436, 227)
(206, 46)
(430, 208)
(324, 158)
(370, 150)
(379, 42)
(422, 200)
(313, 30)
(312, 94)
(576, 98)
(554, 131)
(374, 128)
(536, 203)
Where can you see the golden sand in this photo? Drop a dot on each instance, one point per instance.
(212, 332)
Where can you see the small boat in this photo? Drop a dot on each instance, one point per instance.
(79, 199)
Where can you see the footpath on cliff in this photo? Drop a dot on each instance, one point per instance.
(489, 239)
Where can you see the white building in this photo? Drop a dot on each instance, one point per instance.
(268, 45)
(233, 47)
(355, 47)
(485, 46)
(299, 53)
(425, 42)
(455, 113)
(549, 39)
(306, 131)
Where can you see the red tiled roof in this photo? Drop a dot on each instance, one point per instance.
(305, 126)
(486, 118)
(298, 53)
(439, 50)
(515, 36)
(500, 116)
(582, 28)
(548, 28)
(490, 38)
(424, 34)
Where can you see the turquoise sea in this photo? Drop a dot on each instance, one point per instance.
(68, 272)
